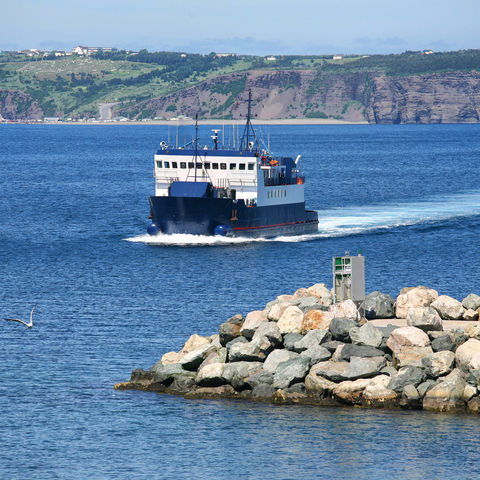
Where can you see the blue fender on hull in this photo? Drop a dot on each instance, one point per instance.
(223, 230)
(153, 229)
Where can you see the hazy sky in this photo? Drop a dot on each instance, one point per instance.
(242, 26)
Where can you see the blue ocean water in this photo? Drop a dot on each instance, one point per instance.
(73, 212)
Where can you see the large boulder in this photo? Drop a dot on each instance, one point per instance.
(291, 320)
(411, 356)
(312, 338)
(447, 395)
(442, 343)
(367, 335)
(438, 364)
(194, 342)
(349, 350)
(448, 308)
(165, 374)
(350, 391)
(346, 309)
(254, 351)
(269, 330)
(414, 297)
(378, 394)
(467, 355)
(407, 337)
(236, 373)
(378, 305)
(340, 328)
(211, 375)
(333, 371)
(230, 329)
(424, 318)
(276, 357)
(191, 361)
(316, 320)
(290, 339)
(471, 302)
(309, 303)
(259, 378)
(290, 372)
(361, 367)
(470, 315)
(316, 354)
(317, 386)
(276, 311)
(321, 293)
(406, 376)
(252, 321)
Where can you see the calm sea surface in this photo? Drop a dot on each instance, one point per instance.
(73, 212)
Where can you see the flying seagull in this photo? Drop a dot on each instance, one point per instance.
(29, 325)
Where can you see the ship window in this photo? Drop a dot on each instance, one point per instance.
(174, 165)
(159, 164)
(183, 164)
(215, 166)
(251, 166)
(199, 165)
(241, 166)
(207, 165)
(223, 166)
(233, 166)
(191, 165)
(166, 164)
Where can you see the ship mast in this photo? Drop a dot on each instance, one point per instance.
(249, 130)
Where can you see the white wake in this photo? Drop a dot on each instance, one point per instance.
(343, 221)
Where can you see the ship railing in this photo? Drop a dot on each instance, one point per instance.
(277, 181)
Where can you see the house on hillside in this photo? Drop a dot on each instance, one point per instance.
(80, 50)
(337, 57)
(271, 58)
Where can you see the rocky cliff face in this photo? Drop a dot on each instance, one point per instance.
(17, 106)
(374, 97)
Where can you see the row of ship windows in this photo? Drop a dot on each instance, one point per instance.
(277, 193)
(206, 165)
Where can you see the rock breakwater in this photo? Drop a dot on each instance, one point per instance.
(304, 349)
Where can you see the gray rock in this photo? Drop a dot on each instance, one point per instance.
(261, 377)
(334, 371)
(211, 375)
(410, 397)
(309, 303)
(361, 367)
(458, 337)
(290, 339)
(378, 305)
(473, 377)
(332, 345)
(406, 376)
(443, 343)
(276, 357)
(438, 364)
(340, 328)
(296, 388)
(254, 351)
(237, 372)
(191, 361)
(269, 330)
(425, 318)
(291, 371)
(231, 343)
(311, 339)
(448, 308)
(425, 386)
(165, 374)
(230, 329)
(366, 335)
(316, 354)
(447, 395)
(182, 383)
(263, 391)
(471, 302)
(349, 350)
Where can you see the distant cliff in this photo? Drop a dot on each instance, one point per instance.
(375, 97)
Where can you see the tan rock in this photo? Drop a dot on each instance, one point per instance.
(316, 320)
(277, 311)
(407, 337)
(448, 308)
(291, 320)
(321, 293)
(377, 393)
(470, 315)
(346, 309)
(211, 375)
(253, 320)
(447, 395)
(285, 298)
(467, 355)
(318, 386)
(350, 391)
(194, 343)
(172, 357)
(439, 364)
(425, 318)
(411, 356)
(473, 331)
(469, 392)
(301, 293)
(414, 297)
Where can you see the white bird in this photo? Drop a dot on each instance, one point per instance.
(29, 325)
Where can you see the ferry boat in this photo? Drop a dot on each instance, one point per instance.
(244, 192)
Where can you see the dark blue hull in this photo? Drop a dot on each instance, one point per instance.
(200, 216)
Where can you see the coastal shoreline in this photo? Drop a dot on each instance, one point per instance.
(418, 352)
